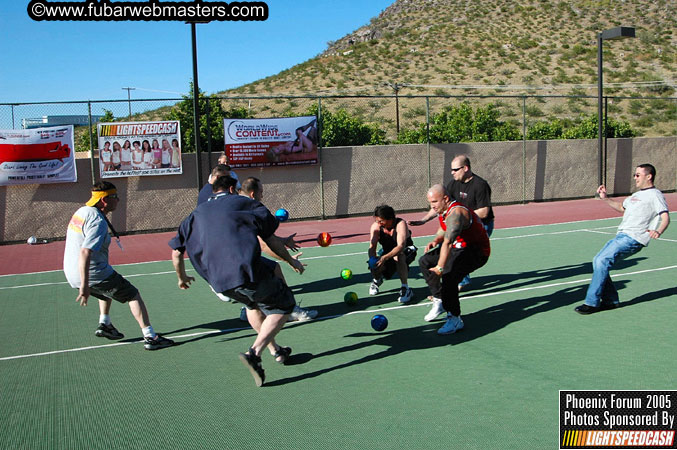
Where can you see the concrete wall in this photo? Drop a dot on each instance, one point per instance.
(350, 181)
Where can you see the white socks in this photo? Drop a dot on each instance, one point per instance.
(148, 332)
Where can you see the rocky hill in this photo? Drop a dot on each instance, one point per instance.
(496, 48)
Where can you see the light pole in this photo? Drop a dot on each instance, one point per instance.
(606, 35)
(129, 99)
(196, 107)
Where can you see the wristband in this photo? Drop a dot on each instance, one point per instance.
(439, 269)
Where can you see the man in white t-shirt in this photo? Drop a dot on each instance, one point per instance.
(645, 217)
(85, 264)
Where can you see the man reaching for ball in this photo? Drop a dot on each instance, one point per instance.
(398, 251)
(461, 246)
(253, 188)
(233, 222)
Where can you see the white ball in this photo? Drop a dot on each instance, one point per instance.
(32, 240)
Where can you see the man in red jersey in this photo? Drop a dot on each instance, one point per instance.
(460, 247)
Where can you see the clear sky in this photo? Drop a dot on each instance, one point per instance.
(59, 61)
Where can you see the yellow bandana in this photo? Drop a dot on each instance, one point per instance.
(98, 195)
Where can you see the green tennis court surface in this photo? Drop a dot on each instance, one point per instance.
(493, 385)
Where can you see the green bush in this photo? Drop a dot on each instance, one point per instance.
(462, 124)
(183, 112)
(82, 143)
(343, 129)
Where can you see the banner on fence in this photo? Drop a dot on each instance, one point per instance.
(37, 156)
(271, 142)
(139, 148)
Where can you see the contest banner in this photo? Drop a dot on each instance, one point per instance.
(271, 142)
(139, 148)
(37, 156)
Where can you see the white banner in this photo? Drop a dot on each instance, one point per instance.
(139, 148)
(271, 142)
(37, 156)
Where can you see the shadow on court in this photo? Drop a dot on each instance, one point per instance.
(359, 283)
(477, 325)
(503, 282)
(648, 297)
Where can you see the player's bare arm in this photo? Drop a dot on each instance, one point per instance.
(180, 268)
(83, 265)
(665, 221)
(601, 192)
(277, 246)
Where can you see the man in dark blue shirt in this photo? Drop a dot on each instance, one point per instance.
(219, 170)
(220, 237)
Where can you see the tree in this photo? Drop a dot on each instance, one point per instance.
(183, 112)
(462, 124)
(586, 128)
(343, 129)
(545, 130)
(82, 143)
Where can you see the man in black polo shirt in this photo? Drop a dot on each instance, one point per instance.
(234, 222)
(471, 191)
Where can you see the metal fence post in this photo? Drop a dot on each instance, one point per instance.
(319, 155)
(209, 135)
(91, 142)
(524, 149)
(427, 139)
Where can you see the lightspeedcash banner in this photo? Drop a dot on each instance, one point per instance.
(617, 419)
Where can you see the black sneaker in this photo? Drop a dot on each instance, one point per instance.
(108, 331)
(586, 309)
(157, 343)
(253, 363)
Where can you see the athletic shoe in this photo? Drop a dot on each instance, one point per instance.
(586, 309)
(301, 314)
(373, 288)
(253, 363)
(157, 343)
(435, 311)
(243, 314)
(108, 331)
(406, 295)
(452, 325)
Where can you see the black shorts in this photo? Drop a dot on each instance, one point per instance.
(269, 295)
(391, 266)
(115, 287)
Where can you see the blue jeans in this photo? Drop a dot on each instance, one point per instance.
(489, 228)
(601, 289)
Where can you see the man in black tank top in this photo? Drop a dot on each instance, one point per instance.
(398, 251)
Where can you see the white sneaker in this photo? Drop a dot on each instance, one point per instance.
(373, 288)
(452, 325)
(301, 314)
(435, 311)
(406, 295)
(243, 314)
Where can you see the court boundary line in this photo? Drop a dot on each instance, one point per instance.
(347, 243)
(55, 283)
(350, 313)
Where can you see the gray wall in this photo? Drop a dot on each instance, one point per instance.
(350, 181)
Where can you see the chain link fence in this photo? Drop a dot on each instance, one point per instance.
(351, 178)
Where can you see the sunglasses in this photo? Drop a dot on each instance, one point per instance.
(456, 169)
